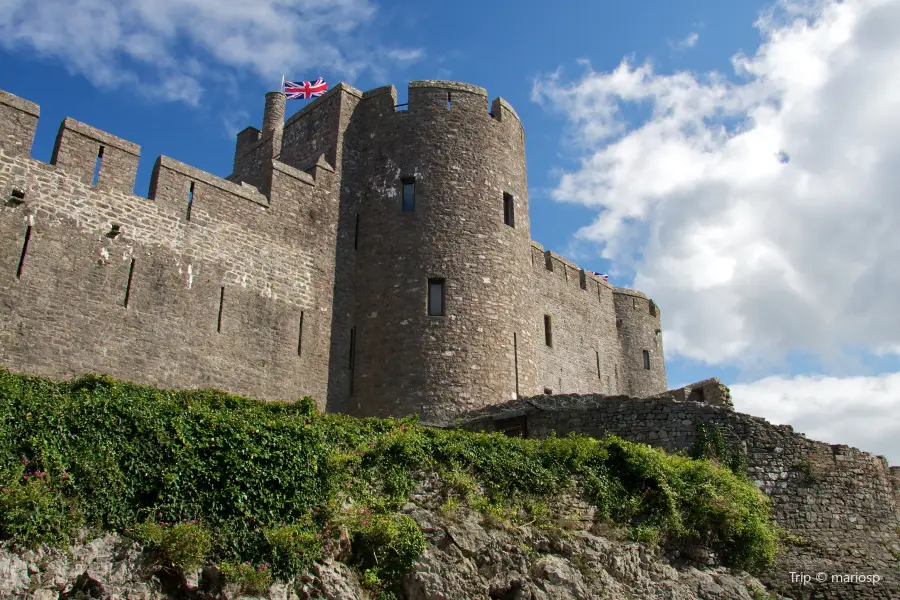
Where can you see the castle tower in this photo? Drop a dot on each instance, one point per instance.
(442, 249)
(640, 339)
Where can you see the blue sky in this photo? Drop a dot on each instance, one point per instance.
(654, 131)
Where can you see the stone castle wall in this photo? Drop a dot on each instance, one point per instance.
(201, 283)
(309, 226)
(839, 504)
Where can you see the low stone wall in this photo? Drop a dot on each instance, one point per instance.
(838, 505)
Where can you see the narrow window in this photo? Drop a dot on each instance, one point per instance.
(647, 359)
(435, 297)
(548, 331)
(634, 303)
(128, 285)
(548, 391)
(97, 167)
(449, 102)
(24, 251)
(356, 233)
(352, 355)
(516, 361)
(599, 376)
(190, 202)
(509, 208)
(409, 194)
(221, 302)
(352, 347)
(300, 335)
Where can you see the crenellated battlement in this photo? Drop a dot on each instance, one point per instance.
(433, 97)
(103, 162)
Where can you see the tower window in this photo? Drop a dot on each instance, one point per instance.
(408, 194)
(548, 331)
(435, 297)
(509, 209)
(647, 360)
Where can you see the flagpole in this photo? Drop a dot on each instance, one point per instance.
(281, 89)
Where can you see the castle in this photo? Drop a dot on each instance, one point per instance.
(374, 256)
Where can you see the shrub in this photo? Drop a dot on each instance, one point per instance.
(182, 546)
(34, 507)
(387, 546)
(293, 548)
(248, 579)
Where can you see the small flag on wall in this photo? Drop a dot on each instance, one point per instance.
(304, 90)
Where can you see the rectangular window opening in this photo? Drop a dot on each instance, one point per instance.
(352, 348)
(190, 202)
(24, 251)
(449, 101)
(128, 285)
(599, 375)
(436, 297)
(352, 356)
(516, 361)
(300, 336)
(647, 360)
(408, 194)
(97, 164)
(356, 233)
(221, 302)
(548, 331)
(509, 208)
(548, 392)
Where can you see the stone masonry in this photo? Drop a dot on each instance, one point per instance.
(839, 506)
(300, 273)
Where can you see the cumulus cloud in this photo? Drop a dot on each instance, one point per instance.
(857, 411)
(760, 209)
(174, 48)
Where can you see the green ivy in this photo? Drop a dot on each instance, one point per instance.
(711, 445)
(276, 483)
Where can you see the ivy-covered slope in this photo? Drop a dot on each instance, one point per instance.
(206, 476)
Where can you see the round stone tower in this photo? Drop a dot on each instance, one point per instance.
(442, 243)
(640, 338)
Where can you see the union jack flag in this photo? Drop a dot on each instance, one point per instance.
(305, 90)
(602, 276)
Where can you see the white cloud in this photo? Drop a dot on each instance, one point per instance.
(760, 211)
(858, 411)
(176, 48)
(688, 41)
(407, 56)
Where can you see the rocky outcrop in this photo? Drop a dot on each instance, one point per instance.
(467, 557)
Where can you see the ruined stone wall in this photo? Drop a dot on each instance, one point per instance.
(202, 283)
(838, 504)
